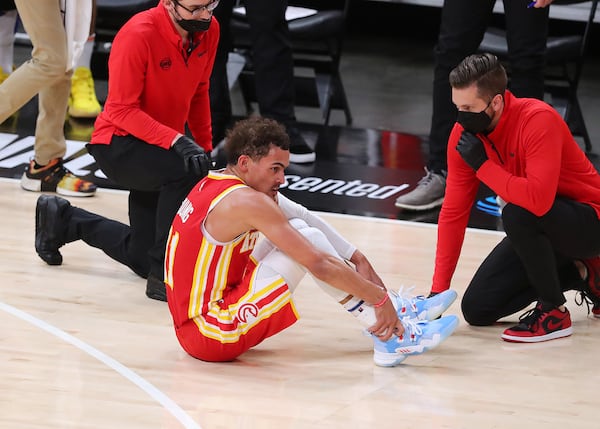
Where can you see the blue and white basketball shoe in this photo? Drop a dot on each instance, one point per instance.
(419, 336)
(420, 307)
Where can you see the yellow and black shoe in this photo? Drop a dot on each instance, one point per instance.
(54, 177)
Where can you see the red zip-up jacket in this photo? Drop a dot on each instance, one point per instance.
(533, 158)
(154, 86)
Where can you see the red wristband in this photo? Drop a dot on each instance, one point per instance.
(383, 301)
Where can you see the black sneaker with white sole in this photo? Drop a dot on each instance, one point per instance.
(300, 151)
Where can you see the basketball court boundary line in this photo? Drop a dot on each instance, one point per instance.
(332, 214)
(152, 391)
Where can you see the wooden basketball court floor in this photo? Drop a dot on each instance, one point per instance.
(82, 347)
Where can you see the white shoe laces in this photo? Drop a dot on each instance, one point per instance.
(412, 326)
(405, 296)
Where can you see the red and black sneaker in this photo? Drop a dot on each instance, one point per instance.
(592, 303)
(590, 293)
(593, 276)
(540, 324)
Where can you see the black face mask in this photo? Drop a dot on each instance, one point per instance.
(194, 25)
(474, 122)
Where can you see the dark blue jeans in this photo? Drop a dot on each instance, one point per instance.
(462, 27)
(534, 262)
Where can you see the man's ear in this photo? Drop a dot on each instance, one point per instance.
(497, 101)
(243, 162)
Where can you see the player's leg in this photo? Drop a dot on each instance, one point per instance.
(419, 335)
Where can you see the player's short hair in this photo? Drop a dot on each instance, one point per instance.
(484, 70)
(253, 137)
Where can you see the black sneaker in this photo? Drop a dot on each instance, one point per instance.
(155, 288)
(300, 151)
(50, 228)
(218, 157)
(590, 292)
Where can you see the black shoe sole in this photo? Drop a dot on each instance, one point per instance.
(47, 211)
(156, 289)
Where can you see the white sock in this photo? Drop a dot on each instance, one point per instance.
(85, 59)
(7, 39)
(364, 313)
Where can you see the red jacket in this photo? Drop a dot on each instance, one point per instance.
(154, 87)
(533, 158)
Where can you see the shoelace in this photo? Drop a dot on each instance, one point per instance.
(404, 295)
(404, 299)
(584, 298)
(530, 317)
(82, 84)
(412, 326)
(427, 179)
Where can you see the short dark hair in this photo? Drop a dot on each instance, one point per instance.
(253, 137)
(485, 70)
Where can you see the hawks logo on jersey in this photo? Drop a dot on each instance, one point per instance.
(247, 312)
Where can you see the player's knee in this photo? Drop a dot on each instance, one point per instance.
(316, 237)
(298, 224)
(474, 312)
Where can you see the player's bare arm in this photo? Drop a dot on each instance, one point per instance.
(263, 214)
(364, 268)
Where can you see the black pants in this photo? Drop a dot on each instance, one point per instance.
(462, 27)
(271, 58)
(534, 261)
(157, 185)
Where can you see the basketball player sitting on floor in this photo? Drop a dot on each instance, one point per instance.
(228, 291)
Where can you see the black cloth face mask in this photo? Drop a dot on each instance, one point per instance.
(194, 25)
(474, 122)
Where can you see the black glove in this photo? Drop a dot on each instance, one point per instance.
(195, 160)
(471, 149)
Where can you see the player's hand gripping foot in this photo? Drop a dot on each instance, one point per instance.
(419, 336)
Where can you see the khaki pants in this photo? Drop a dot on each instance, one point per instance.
(44, 74)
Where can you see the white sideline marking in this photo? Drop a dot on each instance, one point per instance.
(130, 375)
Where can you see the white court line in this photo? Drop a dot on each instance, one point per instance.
(414, 223)
(340, 215)
(130, 375)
